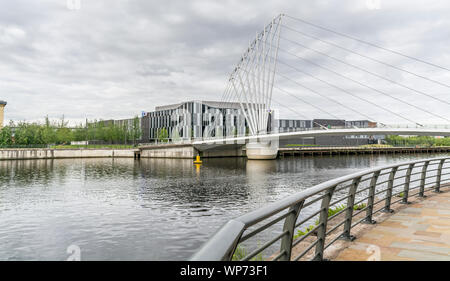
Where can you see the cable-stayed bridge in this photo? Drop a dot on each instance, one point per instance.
(298, 68)
(286, 59)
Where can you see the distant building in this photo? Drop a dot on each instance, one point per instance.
(328, 123)
(292, 125)
(129, 123)
(2, 112)
(360, 124)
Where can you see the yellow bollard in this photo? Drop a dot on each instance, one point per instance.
(197, 160)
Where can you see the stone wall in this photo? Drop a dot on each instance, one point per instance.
(39, 153)
(169, 151)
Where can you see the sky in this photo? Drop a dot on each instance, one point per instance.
(109, 59)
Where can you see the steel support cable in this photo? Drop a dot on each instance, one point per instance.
(235, 93)
(253, 90)
(366, 57)
(299, 114)
(349, 93)
(365, 70)
(290, 109)
(276, 60)
(267, 54)
(232, 94)
(249, 97)
(237, 73)
(326, 97)
(251, 106)
(353, 95)
(251, 93)
(306, 102)
(368, 43)
(367, 86)
(227, 95)
(252, 57)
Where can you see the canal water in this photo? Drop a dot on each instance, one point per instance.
(152, 209)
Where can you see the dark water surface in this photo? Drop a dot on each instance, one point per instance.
(152, 209)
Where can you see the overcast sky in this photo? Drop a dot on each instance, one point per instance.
(114, 59)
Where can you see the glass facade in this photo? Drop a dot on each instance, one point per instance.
(195, 119)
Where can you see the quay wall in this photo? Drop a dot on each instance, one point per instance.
(43, 153)
(188, 151)
(319, 151)
(169, 151)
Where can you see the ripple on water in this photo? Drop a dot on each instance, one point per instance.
(155, 209)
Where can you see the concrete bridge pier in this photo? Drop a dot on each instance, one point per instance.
(262, 150)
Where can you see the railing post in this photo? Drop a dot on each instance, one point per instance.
(407, 183)
(423, 178)
(371, 198)
(349, 213)
(438, 176)
(323, 220)
(289, 225)
(387, 207)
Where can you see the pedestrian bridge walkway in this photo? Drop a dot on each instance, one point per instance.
(421, 231)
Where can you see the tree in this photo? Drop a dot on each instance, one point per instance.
(136, 131)
(175, 135)
(64, 135)
(163, 135)
(6, 136)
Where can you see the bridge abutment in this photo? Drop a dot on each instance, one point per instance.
(261, 151)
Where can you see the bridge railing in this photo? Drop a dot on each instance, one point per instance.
(304, 225)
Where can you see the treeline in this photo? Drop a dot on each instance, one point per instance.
(59, 133)
(426, 141)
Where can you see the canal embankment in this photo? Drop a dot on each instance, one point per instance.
(187, 151)
(321, 151)
(48, 153)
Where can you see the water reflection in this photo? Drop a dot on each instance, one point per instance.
(153, 209)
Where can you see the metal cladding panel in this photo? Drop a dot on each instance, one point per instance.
(197, 119)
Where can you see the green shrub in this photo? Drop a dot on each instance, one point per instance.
(331, 211)
(241, 253)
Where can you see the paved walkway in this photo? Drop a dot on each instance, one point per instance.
(421, 231)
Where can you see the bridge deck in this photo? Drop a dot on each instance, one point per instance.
(421, 231)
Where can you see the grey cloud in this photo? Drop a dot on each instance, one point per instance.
(113, 59)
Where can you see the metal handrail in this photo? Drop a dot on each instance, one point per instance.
(223, 244)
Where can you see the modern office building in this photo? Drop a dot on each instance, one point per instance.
(195, 119)
(2, 112)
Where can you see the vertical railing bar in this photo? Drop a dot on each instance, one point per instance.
(323, 220)
(438, 176)
(387, 206)
(349, 213)
(407, 183)
(371, 198)
(289, 226)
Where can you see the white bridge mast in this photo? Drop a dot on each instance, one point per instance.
(252, 80)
